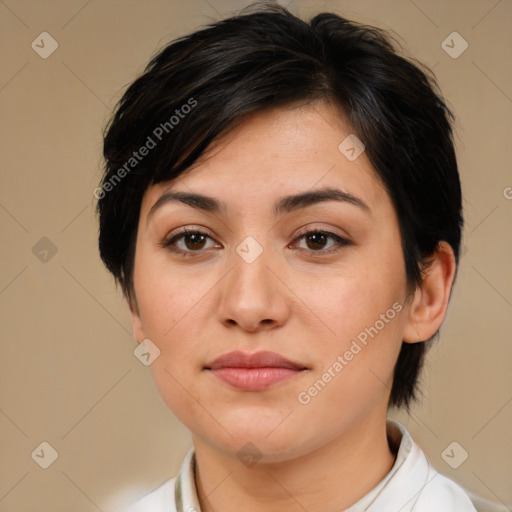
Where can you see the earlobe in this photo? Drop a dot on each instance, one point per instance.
(430, 302)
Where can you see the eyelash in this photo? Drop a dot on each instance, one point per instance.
(340, 241)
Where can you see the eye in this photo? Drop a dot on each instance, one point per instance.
(188, 241)
(316, 240)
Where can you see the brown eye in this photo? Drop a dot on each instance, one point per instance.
(194, 241)
(316, 241)
(188, 242)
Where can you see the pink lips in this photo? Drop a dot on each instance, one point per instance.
(253, 372)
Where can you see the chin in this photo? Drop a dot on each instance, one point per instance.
(268, 443)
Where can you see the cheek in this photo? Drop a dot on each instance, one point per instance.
(169, 304)
(354, 370)
(168, 296)
(350, 300)
(363, 313)
(169, 312)
(366, 336)
(174, 305)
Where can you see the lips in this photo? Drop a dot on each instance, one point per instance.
(257, 360)
(253, 372)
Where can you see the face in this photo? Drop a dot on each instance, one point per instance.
(319, 280)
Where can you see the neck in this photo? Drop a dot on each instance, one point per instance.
(332, 477)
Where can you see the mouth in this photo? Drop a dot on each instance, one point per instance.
(254, 372)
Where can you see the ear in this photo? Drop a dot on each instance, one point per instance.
(430, 302)
(138, 332)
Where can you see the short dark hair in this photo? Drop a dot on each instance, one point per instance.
(202, 85)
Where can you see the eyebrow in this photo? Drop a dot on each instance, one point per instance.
(283, 205)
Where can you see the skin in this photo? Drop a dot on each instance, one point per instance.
(306, 300)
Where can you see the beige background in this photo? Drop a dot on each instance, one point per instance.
(68, 375)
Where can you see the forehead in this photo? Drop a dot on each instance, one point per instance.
(275, 152)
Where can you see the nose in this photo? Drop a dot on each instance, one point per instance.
(253, 296)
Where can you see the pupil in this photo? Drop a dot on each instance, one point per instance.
(197, 243)
(315, 237)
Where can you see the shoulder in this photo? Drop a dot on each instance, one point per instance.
(418, 487)
(159, 500)
(442, 494)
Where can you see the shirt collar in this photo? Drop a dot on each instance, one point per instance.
(410, 472)
(185, 490)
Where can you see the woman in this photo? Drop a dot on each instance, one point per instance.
(281, 206)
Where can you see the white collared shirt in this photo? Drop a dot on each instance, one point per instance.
(412, 485)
